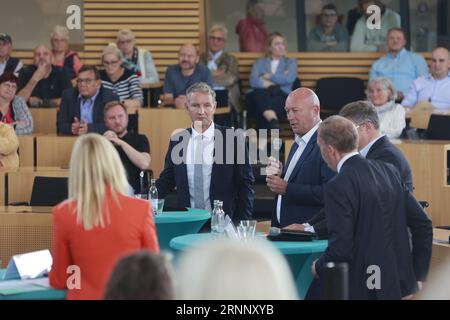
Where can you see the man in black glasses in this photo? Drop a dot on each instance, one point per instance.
(82, 107)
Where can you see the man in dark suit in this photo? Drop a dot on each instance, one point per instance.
(371, 145)
(299, 186)
(82, 108)
(196, 166)
(365, 208)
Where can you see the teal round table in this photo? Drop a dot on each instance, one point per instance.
(43, 294)
(177, 223)
(299, 255)
(168, 224)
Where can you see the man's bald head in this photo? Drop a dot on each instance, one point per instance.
(188, 57)
(42, 54)
(304, 95)
(303, 110)
(440, 62)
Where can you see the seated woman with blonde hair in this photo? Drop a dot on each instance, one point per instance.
(98, 224)
(121, 81)
(382, 94)
(271, 81)
(227, 270)
(9, 144)
(62, 55)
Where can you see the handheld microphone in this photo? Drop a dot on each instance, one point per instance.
(141, 181)
(276, 234)
(274, 231)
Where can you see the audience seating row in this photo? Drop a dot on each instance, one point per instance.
(312, 66)
(50, 150)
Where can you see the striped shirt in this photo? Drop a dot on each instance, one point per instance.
(126, 87)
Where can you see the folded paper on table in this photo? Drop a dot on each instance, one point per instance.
(29, 265)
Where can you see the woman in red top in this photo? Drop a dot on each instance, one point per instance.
(98, 224)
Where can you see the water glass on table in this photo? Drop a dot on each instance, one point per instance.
(160, 208)
(246, 230)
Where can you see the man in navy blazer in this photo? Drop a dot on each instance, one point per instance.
(299, 186)
(365, 208)
(371, 145)
(81, 109)
(198, 162)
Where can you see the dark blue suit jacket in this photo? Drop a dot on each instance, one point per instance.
(384, 150)
(230, 183)
(365, 208)
(70, 108)
(304, 193)
(381, 150)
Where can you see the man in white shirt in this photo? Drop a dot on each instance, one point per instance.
(433, 88)
(223, 66)
(299, 186)
(195, 162)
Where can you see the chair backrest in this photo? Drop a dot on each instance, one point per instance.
(133, 120)
(438, 127)
(296, 84)
(49, 191)
(222, 97)
(336, 92)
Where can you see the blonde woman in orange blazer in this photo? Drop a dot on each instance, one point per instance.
(99, 223)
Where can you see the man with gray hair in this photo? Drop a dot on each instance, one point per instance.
(8, 63)
(365, 208)
(223, 66)
(371, 145)
(195, 165)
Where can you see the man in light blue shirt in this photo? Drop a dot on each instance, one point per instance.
(435, 87)
(400, 66)
(86, 107)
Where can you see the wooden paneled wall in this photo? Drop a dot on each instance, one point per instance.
(315, 65)
(160, 26)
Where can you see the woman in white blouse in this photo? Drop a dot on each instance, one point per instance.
(382, 94)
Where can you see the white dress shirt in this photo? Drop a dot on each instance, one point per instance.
(426, 88)
(212, 65)
(302, 143)
(208, 159)
(364, 151)
(345, 158)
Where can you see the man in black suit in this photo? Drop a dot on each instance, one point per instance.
(82, 108)
(299, 186)
(195, 162)
(365, 208)
(372, 145)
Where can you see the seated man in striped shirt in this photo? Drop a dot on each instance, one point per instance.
(82, 107)
(121, 81)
